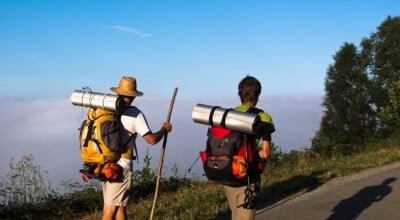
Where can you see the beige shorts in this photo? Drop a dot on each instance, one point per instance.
(236, 198)
(118, 193)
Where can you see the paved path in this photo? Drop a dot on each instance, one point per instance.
(369, 195)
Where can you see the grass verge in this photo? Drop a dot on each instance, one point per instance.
(285, 174)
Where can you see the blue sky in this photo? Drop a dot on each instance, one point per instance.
(49, 48)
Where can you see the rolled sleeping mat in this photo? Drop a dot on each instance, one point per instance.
(227, 118)
(96, 100)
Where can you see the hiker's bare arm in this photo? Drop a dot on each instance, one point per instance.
(265, 151)
(154, 138)
(85, 178)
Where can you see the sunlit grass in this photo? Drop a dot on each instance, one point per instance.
(285, 174)
(300, 171)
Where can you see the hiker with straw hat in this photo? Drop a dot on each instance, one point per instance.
(116, 194)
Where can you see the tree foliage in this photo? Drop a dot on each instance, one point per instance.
(381, 56)
(348, 116)
(390, 114)
(362, 91)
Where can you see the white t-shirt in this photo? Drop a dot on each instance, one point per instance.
(135, 122)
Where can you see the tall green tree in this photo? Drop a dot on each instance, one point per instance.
(391, 112)
(381, 58)
(348, 117)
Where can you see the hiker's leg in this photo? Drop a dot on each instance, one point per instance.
(116, 196)
(117, 193)
(231, 195)
(236, 197)
(243, 213)
(121, 213)
(112, 193)
(109, 212)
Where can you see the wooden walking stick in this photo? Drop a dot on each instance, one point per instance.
(162, 155)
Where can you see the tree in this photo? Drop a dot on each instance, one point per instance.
(348, 117)
(381, 58)
(391, 112)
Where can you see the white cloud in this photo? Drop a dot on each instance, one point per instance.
(134, 31)
(47, 129)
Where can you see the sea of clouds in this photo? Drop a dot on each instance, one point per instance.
(48, 129)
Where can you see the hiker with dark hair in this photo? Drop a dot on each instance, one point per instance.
(242, 199)
(116, 193)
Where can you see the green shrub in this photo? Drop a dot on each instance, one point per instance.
(182, 198)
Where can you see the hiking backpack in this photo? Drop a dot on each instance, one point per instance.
(230, 157)
(102, 141)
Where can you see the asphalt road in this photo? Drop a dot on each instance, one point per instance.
(369, 195)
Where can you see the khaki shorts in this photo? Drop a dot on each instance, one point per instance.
(236, 198)
(118, 193)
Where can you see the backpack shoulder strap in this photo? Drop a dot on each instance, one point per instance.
(254, 110)
(136, 155)
(90, 118)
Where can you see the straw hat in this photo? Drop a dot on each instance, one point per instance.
(127, 87)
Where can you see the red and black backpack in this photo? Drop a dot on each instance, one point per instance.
(230, 156)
